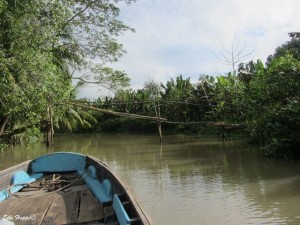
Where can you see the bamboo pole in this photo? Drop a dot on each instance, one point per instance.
(160, 120)
(136, 116)
(157, 113)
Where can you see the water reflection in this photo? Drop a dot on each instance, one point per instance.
(191, 180)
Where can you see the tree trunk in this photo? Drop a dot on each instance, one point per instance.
(3, 123)
(223, 134)
(49, 128)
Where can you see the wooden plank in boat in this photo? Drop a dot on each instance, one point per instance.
(76, 188)
(63, 209)
(32, 210)
(90, 209)
(7, 206)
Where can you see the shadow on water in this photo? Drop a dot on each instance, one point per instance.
(190, 180)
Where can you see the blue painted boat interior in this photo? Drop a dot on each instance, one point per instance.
(102, 191)
(59, 162)
(62, 162)
(18, 181)
(120, 211)
(68, 162)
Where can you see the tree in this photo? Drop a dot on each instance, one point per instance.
(175, 95)
(295, 35)
(291, 47)
(272, 109)
(235, 55)
(41, 42)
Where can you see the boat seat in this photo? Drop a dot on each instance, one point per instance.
(102, 191)
(21, 177)
(59, 162)
(120, 212)
(18, 181)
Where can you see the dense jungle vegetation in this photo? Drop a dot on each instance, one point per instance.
(47, 45)
(262, 98)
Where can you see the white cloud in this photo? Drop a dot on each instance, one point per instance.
(181, 37)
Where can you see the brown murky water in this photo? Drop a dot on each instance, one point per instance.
(189, 179)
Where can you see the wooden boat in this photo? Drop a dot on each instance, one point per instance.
(67, 188)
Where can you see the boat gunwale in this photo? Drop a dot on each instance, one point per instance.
(146, 219)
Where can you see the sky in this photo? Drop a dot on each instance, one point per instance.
(180, 37)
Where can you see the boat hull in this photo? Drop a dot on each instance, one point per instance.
(110, 199)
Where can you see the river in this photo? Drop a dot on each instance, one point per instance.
(190, 179)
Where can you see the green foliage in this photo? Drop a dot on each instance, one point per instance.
(263, 98)
(74, 118)
(174, 96)
(282, 131)
(228, 93)
(291, 47)
(41, 41)
(203, 100)
(32, 135)
(271, 104)
(128, 125)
